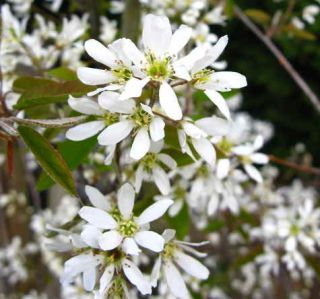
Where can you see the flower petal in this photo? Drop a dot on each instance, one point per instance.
(154, 211)
(89, 279)
(217, 99)
(205, 149)
(179, 39)
(191, 265)
(110, 101)
(156, 35)
(97, 198)
(175, 281)
(100, 53)
(169, 101)
(85, 106)
(253, 173)
(150, 240)
(155, 273)
(97, 218)
(259, 158)
(134, 54)
(84, 131)
(115, 132)
(106, 279)
(223, 167)
(135, 276)
(93, 76)
(90, 235)
(110, 240)
(133, 88)
(125, 198)
(214, 126)
(161, 179)
(168, 161)
(157, 129)
(129, 246)
(140, 145)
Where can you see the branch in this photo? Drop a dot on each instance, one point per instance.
(284, 62)
(302, 168)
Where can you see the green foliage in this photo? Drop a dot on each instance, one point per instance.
(39, 91)
(74, 153)
(181, 222)
(48, 158)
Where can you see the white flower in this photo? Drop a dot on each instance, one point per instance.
(110, 229)
(151, 168)
(174, 254)
(310, 12)
(115, 120)
(248, 155)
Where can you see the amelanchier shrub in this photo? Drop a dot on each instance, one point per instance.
(152, 183)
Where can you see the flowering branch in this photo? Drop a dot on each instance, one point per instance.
(284, 62)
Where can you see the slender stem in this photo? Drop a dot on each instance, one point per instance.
(175, 122)
(284, 62)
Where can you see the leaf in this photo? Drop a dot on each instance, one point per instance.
(39, 91)
(180, 222)
(259, 16)
(48, 158)
(299, 33)
(179, 157)
(74, 153)
(63, 73)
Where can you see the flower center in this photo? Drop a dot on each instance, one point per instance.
(148, 161)
(123, 74)
(202, 76)
(110, 118)
(159, 69)
(169, 250)
(294, 230)
(128, 228)
(225, 146)
(141, 118)
(245, 159)
(179, 192)
(203, 171)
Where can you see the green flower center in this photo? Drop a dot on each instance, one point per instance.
(294, 230)
(123, 74)
(148, 161)
(110, 118)
(169, 250)
(225, 146)
(141, 118)
(179, 192)
(159, 70)
(202, 76)
(245, 160)
(128, 228)
(203, 171)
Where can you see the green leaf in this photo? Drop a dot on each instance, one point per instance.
(299, 33)
(74, 153)
(180, 222)
(63, 73)
(48, 158)
(179, 157)
(259, 16)
(40, 91)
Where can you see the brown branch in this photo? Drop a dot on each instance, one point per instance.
(284, 62)
(298, 167)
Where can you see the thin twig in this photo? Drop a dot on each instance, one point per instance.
(284, 62)
(298, 167)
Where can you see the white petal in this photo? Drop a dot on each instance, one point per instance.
(181, 72)
(169, 101)
(134, 54)
(106, 279)
(253, 173)
(140, 145)
(129, 246)
(224, 81)
(90, 235)
(219, 101)
(157, 129)
(179, 39)
(161, 179)
(193, 131)
(259, 158)
(291, 244)
(110, 240)
(205, 149)
(134, 275)
(175, 281)
(191, 265)
(155, 274)
(133, 88)
(100, 53)
(243, 150)
(150, 240)
(213, 204)
(92, 76)
(97, 218)
(85, 106)
(211, 55)
(168, 234)
(84, 131)
(155, 211)
(110, 101)
(97, 198)
(115, 132)
(125, 198)
(168, 161)
(214, 126)
(89, 279)
(139, 178)
(258, 142)
(223, 167)
(156, 35)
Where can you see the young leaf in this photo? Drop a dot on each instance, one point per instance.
(48, 158)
